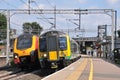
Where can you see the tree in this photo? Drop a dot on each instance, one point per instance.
(36, 28)
(3, 26)
(33, 28)
(27, 27)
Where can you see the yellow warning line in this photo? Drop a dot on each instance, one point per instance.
(91, 70)
(77, 73)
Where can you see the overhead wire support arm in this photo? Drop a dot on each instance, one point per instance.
(72, 22)
(60, 11)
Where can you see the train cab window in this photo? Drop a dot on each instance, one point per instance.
(43, 45)
(24, 43)
(52, 43)
(62, 43)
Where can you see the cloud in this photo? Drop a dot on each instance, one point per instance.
(41, 6)
(112, 1)
(24, 6)
(82, 1)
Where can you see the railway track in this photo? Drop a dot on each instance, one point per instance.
(15, 73)
(10, 74)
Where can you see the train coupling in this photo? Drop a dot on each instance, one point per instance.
(54, 65)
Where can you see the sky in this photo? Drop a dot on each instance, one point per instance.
(89, 22)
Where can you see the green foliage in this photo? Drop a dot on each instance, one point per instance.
(3, 26)
(33, 28)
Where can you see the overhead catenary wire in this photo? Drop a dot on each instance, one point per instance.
(32, 8)
(45, 19)
(54, 7)
(9, 4)
(50, 3)
(24, 2)
(15, 23)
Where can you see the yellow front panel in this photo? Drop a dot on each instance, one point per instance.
(53, 55)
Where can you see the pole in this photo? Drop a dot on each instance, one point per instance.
(29, 6)
(115, 27)
(112, 30)
(8, 30)
(79, 19)
(55, 17)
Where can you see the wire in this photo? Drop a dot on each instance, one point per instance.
(15, 24)
(38, 7)
(50, 3)
(9, 4)
(24, 2)
(42, 15)
(36, 4)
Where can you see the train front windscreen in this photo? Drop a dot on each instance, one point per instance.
(63, 43)
(24, 42)
(43, 45)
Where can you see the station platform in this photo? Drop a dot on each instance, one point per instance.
(87, 68)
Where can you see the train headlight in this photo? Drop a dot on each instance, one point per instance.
(15, 55)
(45, 55)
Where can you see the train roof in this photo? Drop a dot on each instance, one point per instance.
(25, 35)
(44, 33)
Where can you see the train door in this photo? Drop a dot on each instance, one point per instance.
(52, 48)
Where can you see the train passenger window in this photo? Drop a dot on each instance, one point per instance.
(62, 43)
(24, 43)
(73, 47)
(43, 46)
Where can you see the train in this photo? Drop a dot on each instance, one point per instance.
(56, 49)
(25, 51)
(52, 49)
